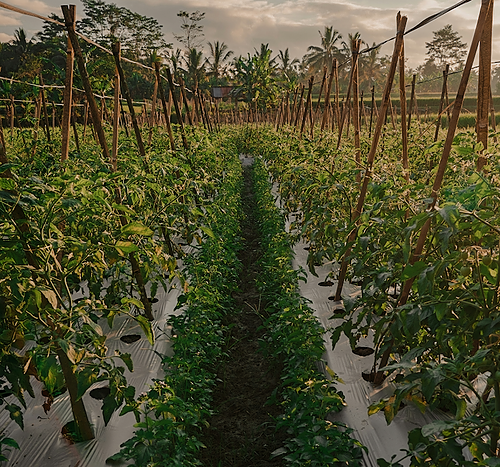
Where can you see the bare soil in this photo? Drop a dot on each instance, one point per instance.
(243, 433)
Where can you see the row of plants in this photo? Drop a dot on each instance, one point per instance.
(173, 412)
(295, 337)
(82, 243)
(442, 343)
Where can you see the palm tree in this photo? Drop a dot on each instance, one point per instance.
(220, 54)
(195, 68)
(318, 57)
(175, 59)
(286, 64)
(370, 70)
(288, 69)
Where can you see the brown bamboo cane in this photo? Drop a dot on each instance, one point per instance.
(165, 107)
(68, 88)
(44, 108)
(86, 82)
(484, 89)
(308, 105)
(442, 101)
(177, 110)
(326, 111)
(355, 46)
(371, 155)
(402, 100)
(412, 100)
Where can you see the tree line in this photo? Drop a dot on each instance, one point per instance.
(260, 76)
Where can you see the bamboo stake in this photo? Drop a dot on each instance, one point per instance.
(116, 121)
(323, 82)
(412, 100)
(186, 103)
(326, 110)
(484, 89)
(402, 101)
(442, 101)
(292, 113)
(308, 104)
(299, 105)
(355, 45)
(69, 21)
(345, 109)
(165, 107)
(176, 106)
(372, 111)
(130, 103)
(44, 108)
(75, 131)
(68, 87)
(336, 120)
(371, 155)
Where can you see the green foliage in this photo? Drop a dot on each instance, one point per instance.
(444, 341)
(172, 413)
(296, 338)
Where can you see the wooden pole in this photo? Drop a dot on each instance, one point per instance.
(412, 100)
(130, 104)
(355, 45)
(442, 101)
(299, 105)
(44, 108)
(177, 110)
(372, 111)
(186, 103)
(327, 108)
(484, 88)
(116, 121)
(402, 100)
(322, 87)
(68, 86)
(69, 21)
(371, 154)
(164, 105)
(308, 104)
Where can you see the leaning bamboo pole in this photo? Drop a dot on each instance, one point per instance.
(371, 156)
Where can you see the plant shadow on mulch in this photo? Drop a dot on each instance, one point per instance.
(242, 433)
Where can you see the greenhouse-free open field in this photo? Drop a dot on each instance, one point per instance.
(246, 264)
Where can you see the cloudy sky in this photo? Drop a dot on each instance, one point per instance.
(244, 24)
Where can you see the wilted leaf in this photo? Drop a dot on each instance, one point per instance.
(51, 297)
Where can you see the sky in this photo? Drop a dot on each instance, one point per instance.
(294, 24)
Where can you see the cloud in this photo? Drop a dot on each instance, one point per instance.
(5, 37)
(8, 20)
(33, 6)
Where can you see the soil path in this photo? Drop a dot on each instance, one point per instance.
(242, 433)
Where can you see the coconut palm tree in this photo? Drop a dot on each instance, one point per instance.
(219, 55)
(287, 65)
(318, 57)
(195, 68)
(288, 69)
(370, 70)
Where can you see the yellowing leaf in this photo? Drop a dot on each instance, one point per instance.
(136, 228)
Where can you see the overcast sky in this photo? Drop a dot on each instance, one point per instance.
(244, 24)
